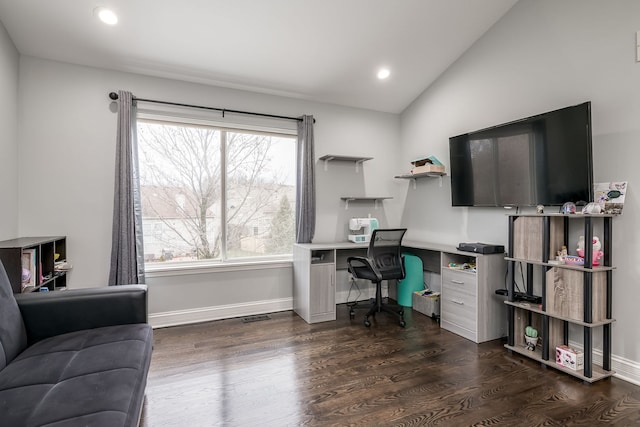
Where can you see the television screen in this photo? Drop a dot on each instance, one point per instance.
(541, 160)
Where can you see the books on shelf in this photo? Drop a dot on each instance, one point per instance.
(29, 272)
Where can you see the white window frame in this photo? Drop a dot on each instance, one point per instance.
(234, 123)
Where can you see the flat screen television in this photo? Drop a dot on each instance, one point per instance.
(540, 160)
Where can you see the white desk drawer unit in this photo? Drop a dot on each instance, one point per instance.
(459, 302)
(469, 306)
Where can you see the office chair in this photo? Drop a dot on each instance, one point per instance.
(383, 262)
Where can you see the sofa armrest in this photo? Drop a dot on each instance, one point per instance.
(46, 314)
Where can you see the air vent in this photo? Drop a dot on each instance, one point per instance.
(257, 318)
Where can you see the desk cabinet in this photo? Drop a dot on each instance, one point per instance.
(322, 301)
(469, 306)
(314, 289)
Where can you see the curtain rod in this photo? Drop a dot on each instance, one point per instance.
(114, 96)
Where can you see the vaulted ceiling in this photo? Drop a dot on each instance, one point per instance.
(321, 50)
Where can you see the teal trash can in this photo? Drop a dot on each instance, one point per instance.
(413, 280)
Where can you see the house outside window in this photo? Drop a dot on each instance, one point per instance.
(214, 194)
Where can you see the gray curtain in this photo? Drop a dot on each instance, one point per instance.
(305, 182)
(127, 256)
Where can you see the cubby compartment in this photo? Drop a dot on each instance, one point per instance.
(528, 235)
(456, 261)
(565, 294)
(524, 318)
(322, 257)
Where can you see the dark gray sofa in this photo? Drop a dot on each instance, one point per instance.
(74, 357)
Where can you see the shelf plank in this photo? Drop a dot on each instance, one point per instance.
(357, 160)
(28, 242)
(421, 175)
(567, 266)
(414, 177)
(597, 372)
(570, 216)
(534, 308)
(351, 198)
(348, 199)
(340, 158)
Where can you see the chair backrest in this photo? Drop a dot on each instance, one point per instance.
(13, 336)
(385, 251)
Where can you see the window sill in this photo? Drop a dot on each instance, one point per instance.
(181, 269)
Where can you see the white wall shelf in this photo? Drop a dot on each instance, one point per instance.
(414, 176)
(348, 199)
(358, 160)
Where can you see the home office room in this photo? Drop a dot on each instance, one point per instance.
(254, 297)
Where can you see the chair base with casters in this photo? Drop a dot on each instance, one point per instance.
(377, 306)
(383, 262)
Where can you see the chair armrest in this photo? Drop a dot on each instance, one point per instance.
(359, 262)
(46, 314)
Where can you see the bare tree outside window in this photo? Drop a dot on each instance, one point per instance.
(183, 198)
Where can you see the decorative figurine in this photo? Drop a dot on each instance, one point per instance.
(569, 208)
(597, 253)
(531, 337)
(592, 208)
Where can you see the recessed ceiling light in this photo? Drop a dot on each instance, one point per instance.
(384, 73)
(106, 15)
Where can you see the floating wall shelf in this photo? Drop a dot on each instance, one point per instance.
(338, 158)
(348, 199)
(414, 176)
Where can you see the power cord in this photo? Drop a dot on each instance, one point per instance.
(515, 282)
(353, 282)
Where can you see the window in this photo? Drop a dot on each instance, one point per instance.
(215, 193)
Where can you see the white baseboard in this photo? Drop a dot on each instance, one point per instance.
(206, 314)
(625, 369)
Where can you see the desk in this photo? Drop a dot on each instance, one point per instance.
(469, 306)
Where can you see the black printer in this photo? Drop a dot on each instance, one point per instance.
(481, 248)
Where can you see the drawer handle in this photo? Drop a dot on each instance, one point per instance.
(457, 282)
(457, 302)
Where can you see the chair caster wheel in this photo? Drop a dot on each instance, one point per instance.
(367, 323)
(403, 323)
(401, 312)
(352, 314)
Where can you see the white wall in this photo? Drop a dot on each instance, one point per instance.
(9, 60)
(542, 55)
(67, 130)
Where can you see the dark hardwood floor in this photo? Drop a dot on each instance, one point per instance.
(284, 372)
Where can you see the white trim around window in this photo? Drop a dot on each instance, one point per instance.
(207, 267)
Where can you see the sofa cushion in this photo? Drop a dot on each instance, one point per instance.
(92, 377)
(13, 338)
